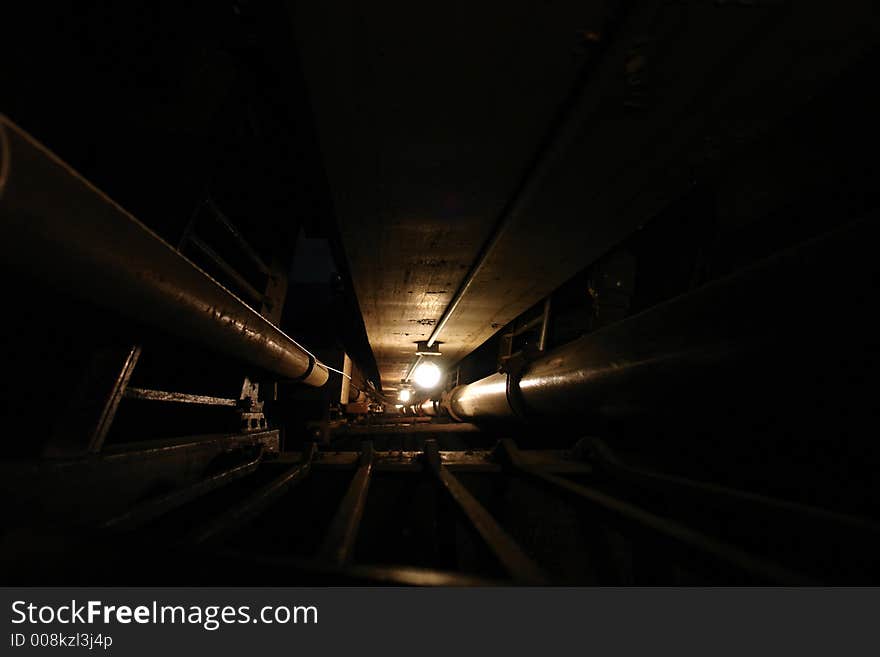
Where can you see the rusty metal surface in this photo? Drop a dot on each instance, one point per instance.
(152, 508)
(593, 504)
(177, 397)
(235, 517)
(141, 452)
(58, 226)
(510, 555)
(83, 426)
(222, 442)
(339, 541)
(61, 489)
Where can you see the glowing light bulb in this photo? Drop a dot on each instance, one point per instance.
(427, 375)
(405, 395)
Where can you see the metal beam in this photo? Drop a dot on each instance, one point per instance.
(245, 510)
(472, 460)
(153, 508)
(55, 491)
(83, 426)
(340, 540)
(520, 567)
(726, 497)
(177, 397)
(58, 226)
(255, 295)
(545, 324)
(688, 538)
(243, 244)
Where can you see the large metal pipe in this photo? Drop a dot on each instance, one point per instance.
(58, 226)
(429, 408)
(763, 329)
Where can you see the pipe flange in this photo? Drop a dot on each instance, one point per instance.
(514, 395)
(514, 368)
(446, 403)
(308, 372)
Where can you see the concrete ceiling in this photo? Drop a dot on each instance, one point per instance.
(429, 116)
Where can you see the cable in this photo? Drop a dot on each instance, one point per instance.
(333, 369)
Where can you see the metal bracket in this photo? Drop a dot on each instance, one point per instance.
(250, 407)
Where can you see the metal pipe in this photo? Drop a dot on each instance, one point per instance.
(760, 321)
(563, 130)
(58, 226)
(412, 368)
(429, 407)
(528, 326)
(545, 325)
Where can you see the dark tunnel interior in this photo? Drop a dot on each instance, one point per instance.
(569, 293)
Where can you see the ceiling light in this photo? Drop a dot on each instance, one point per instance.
(427, 375)
(404, 395)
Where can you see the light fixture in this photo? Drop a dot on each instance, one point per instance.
(427, 375)
(404, 395)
